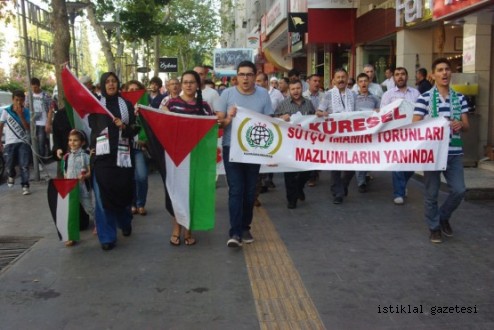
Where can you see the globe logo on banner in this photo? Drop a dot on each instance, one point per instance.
(259, 138)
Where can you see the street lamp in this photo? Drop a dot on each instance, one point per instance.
(109, 26)
(73, 9)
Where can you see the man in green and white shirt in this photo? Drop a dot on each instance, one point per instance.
(441, 100)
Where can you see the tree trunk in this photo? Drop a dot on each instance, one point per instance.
(100, 32)
(61, 46)
(156, 39)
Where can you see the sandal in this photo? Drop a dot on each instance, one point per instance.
(175, 240)
(142, 211)
(188, 239)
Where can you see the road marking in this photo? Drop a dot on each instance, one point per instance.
(282, 302)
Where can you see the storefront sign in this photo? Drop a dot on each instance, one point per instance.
(331, 4)
(444, 8)
(468, 51)
(168, 64)
(411, 11)
(297, 22)
(297, 42)
(276, 14)
(253, 39)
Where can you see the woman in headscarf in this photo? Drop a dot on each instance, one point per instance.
(113, 170)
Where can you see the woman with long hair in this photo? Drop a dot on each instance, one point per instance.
(190, 102)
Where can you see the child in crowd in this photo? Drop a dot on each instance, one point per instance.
(77, 167)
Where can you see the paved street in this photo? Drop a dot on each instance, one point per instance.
(318, 266)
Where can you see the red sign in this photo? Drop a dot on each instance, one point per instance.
(447, 7)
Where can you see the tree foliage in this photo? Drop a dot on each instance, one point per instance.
(196, 44)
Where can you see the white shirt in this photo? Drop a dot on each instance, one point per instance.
(211, 96)
(276, 97)
(388, 83)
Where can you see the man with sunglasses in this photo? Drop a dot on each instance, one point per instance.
(242, 178)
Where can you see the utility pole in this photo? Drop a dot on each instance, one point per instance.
(32, 124)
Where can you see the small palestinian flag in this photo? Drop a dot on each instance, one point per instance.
(136, 97)
(184, 149)
(63, 200)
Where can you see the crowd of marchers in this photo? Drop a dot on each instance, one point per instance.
(113, 161)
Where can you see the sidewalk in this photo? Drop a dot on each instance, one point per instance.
(345, 263)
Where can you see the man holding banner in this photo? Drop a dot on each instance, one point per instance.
(400, 91)
(336, 100)
(442, 101)
(295, 181)
(241, 177)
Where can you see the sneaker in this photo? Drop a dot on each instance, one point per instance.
(25, 191)
(235, 241)
(435, 236)
(338, 200)
(292, 205)
(399, 201)
(247, 237)
(10, 182)
(446, 229)
(362, 188)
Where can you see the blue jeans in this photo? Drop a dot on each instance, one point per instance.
(361, 177)
(41, 136)
(340, 181)
(400, 180)
(18, 153)
(107, 220)
(141, 178)
(434, 215)
(242, 179)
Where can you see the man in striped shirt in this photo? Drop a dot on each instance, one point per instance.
(441, 100)
(295, 181)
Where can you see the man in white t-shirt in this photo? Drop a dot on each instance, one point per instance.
(389, 83)
(16, 150)
(274, 94)
(208, 94)
(42, 114)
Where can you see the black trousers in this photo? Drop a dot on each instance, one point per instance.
(294, 184)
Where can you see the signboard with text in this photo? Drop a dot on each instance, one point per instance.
(168, 64)
(447, 8)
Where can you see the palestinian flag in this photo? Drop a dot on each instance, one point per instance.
(63, 200)
(79, 97)
(184, 147)
(136, 97)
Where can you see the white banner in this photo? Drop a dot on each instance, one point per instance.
(396, 114)
(259, 139)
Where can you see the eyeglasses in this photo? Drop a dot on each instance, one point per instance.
(245, 75)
